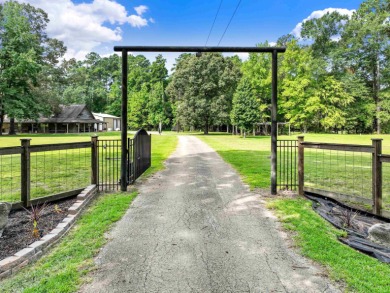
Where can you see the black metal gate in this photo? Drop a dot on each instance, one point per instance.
(141, 160)
(109, 158)
(108, 164)
(287, 169)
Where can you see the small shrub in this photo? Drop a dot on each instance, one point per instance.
(35, 215)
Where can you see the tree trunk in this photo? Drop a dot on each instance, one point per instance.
(227, 128)
(12, 126)
(206, 126)
(1, 122)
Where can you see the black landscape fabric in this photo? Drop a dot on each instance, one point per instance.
(355, 222)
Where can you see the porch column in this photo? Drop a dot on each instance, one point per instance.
(67, 128)
(55, 127)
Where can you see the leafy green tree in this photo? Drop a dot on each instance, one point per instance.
(90, 81)
(137, 108)
(25, 50)
(310, 97)
(200, 85)
(297, 74)
(365, 44)
(257, 70)
(325, 32)
(246, 107)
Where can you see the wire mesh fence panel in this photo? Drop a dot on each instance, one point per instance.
(10, 186)
(343, 172)
(59, 171)
(386, 186)
(287, 169)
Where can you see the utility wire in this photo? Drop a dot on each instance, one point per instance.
(234, 13)
(212, 26)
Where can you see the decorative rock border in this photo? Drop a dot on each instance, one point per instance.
(34, 251)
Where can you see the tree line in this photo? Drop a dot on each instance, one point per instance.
(335, 77)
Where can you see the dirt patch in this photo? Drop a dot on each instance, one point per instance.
(18, 232)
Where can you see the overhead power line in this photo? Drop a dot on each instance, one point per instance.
(234, 13)
(215, 18)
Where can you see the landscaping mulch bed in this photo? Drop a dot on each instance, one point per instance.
(18, 232)
(355, 222)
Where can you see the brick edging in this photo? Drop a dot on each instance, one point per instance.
(34, 251)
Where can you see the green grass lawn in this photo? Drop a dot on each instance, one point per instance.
(316, 238)
(65, 268)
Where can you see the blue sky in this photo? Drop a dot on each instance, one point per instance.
(189, 22)
(98, 25)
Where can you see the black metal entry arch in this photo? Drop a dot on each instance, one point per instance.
(194, 49)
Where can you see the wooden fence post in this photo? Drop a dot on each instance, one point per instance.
(94, 159)
(25, 172)
(301, 165)
(377, 176)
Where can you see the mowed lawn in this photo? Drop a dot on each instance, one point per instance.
(315, 237)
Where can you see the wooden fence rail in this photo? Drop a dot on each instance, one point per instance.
(377, 159)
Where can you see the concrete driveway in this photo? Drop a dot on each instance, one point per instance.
(195, 227)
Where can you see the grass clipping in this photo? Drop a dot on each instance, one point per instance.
(63, 268)
(317, 239)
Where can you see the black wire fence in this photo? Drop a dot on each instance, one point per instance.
(347, 172)
(36, 173)
(32, 174)
(385, 186)
(10, 177)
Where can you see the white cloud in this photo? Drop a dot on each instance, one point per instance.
(318, 14)
(137, 21)
(84, 27)
(243, 56)
(141, 9)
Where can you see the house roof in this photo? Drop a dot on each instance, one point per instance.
(68, 114)
(73, 114)
(103, 115)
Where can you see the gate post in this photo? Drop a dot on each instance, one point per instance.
(377, 176)
(25, 172)
(124, 123)
(301, 165)
(94, 160)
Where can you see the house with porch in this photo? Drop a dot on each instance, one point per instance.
(71, 119)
